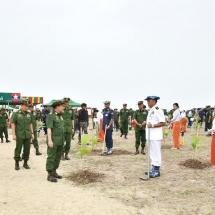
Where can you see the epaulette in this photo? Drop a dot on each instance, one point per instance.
(157, 108)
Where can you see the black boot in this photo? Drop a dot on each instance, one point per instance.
(7, 141)
(62, 157)
(142, 151)
(54, 173)
(121, 135)
(137, 151)
(17, 165)
(25, 165)
(51, 178)
(66, 157)
(38, 152)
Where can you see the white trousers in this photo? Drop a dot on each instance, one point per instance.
(155, 152)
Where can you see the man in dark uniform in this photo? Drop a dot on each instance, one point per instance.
(83, 120)
(55, 140)
(116, 119)
(124, 119)
(68, 117)
(45, 113)
(140, 117)
(35, 124)
(3, 125)
(108, 119)
(23, 132)
(208, 118)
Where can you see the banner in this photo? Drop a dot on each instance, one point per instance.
(10, 97)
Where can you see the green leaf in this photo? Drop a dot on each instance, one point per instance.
(82, 151)
(165, 133)
(85, 139)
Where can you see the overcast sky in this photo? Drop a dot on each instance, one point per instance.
(117, 50)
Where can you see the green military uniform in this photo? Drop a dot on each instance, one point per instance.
(208, 120)
(3, 126)
(116, 120)
(68, 116)
(22, 121)
(140, 134)
(124, 115)
(55, 122)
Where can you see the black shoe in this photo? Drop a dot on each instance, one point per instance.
(51, 178)
(7, 141)
(137, 152)
(66, 157)
(25, 165)
(17, 165)
(54, 174)
(38, 152)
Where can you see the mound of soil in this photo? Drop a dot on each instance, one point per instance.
(166, 146)
(115, 152)
(194, 164)
(85, 177)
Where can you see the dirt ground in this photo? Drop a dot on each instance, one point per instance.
(179, 190)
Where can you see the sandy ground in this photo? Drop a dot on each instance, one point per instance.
(179, 190)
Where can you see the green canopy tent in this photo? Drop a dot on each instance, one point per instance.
(71, 103)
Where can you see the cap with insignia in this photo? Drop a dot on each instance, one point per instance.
(24, 102)
(140, 102)
(56, 104)
(208, 106)
(66, 99)
(124, 104)
(152, 98)
(107, 102)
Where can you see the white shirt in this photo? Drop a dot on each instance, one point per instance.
(183, 114)
(176, 116)
(99, 116)
(213, 126)
(155, 116)
(190, 114)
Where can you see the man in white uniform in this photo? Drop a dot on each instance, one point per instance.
(155, 122)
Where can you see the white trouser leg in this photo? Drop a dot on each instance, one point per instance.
(155, 152)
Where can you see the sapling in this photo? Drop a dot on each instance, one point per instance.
(94, 141)
(83, 149)
(165, 133)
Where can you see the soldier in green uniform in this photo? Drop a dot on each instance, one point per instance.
(35, 128)
(39, 114)
(140, 117)
(208, 118)
(55, 140)
(116, 119)
(3, 125)
(124, 119)
(68, 118)
(22, 129)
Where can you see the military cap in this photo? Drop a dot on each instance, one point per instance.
(140, 103)
(208, 106)
(107, 102)
(83, 104)
(124, 104)
(24, 102)
(152, 98)
(115, 109)
(66, 99)
(30, 105)
(56, 104)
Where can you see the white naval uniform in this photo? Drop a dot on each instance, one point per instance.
(155, 116)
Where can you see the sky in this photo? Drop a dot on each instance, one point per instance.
(117, 50)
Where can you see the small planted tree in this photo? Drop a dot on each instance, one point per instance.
(196, 139)
(83, 148)
(94, 141)
(165, 133)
